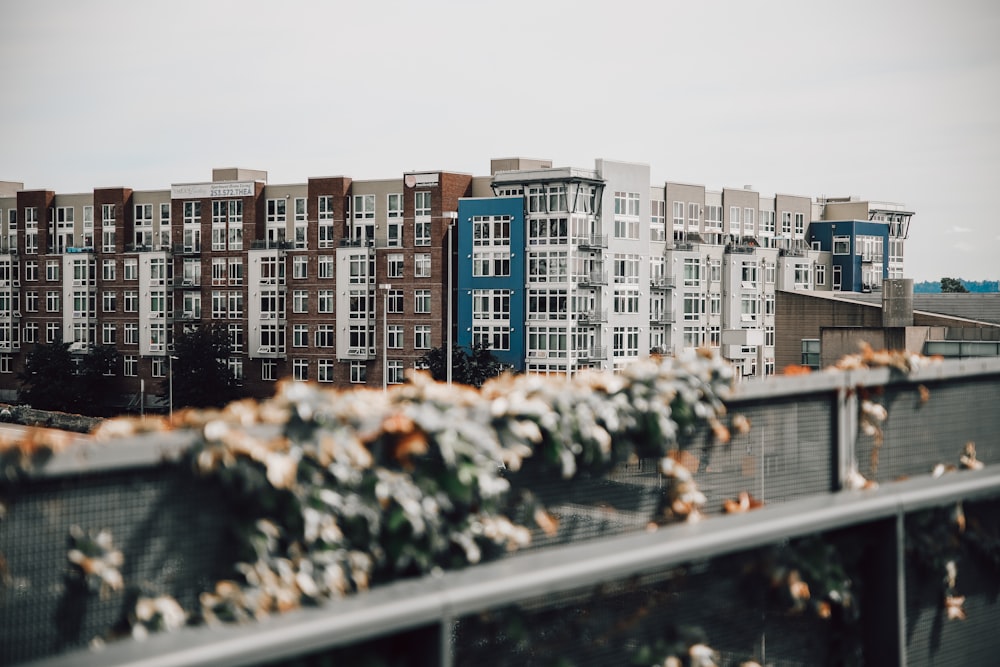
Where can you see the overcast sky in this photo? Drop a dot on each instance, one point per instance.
(892, 101)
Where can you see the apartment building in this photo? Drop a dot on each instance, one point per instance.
(614, 268)
(347, 282)
(291, 271)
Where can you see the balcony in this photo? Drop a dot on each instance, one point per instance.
(661, 319)
(596, 316)
(592, 279)
(593, 242)
(662, 283)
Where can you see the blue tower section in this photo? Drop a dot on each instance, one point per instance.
(492, 281)
(840, 238)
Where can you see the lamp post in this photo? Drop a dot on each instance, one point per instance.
(385, 287)
(451, 216)
(170, 384)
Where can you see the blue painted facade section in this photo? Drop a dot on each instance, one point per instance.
(514, 283)
(850, 265)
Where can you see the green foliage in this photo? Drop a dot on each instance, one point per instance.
(952, 285)
(201, 376)
(472, 366)
(56, 379)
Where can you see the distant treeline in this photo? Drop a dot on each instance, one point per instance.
(934, 287)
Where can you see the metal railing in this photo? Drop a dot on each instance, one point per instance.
(582, 598)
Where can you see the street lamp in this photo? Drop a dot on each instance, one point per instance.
(385, 287)
(170, 384)
(451, 216)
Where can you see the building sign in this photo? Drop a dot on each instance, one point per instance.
(209, 190)
(420, 180)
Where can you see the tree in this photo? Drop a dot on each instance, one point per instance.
(47, 381)
(953, 285)
(56, 379)
(472, 366)
(201, 375)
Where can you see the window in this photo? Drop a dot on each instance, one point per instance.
(131, 333)
(422, 204)
(395, 301)
(325, 266)
(109, 302)
(546, 231)
(108, 269)
(841, 245)
(395, 375)
(714, 270)
(300, 267)
(131, 365)
(422, 232)
(810, 352)
(837, 273)
(235, 271)
(769, 304)
(325, 299)
(490, 263)
(422, 265)
(678, 219)
(268, 371)
(802, 276)
(236, 338)
(31, 332)
(301, 223)
(276, 210)
(422, 337)
(820, 275)
(325, 226)
(235, 305)
(786, 222)
(626, 301)
(300, 369)
(31, 301)
(324, 370)
(800, 224)
(769, 335)
(715, 304)
(734, 221)
(300, 335)
(748, 275)
(694, 307)
(395, 267)
(394, 205)
(364, 207)
(748, 227)
(52, 302)
(713, 218)
(325, 335)
(130, 268)
(766, 222)
(52, 332)
(769, 273)
(694, 336)
(547, 342)
(543, 304)
(626, 341)
(626, 269)
(394, 339)
(546, 266)
(52, 270)
(300, 301)
(748, 308)
(422, 301)
(359, 372)
(692, 272)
